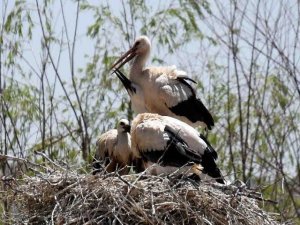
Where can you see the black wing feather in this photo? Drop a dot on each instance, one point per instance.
(177, 152)
(211, 149)
(187, 78)
(210, 166)
(183, 80)
(193, 108)
(125, 81)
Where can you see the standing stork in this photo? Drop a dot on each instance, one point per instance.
(114, 149)
(165, 90)
(169, 142)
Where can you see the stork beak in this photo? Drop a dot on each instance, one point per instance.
(125, 81)
(124, 58)
(127, 128)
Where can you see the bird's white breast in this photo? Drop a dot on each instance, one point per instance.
(138, 100)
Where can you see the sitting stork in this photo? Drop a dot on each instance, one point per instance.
(169, 143)
(164, 90)
(114, 149)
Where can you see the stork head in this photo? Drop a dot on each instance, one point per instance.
(141, 47)
(123, 126)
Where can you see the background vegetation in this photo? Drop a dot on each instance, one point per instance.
(57, 95)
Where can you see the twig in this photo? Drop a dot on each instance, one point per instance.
(51, 161)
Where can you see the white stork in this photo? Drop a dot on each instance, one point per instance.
(135, 92)
(114, 148)
(169, 142)
(165, 90)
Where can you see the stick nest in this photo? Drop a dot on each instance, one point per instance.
(71, 198)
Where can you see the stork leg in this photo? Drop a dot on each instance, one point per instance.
(111, 166)
(138, 165)
(123, 169)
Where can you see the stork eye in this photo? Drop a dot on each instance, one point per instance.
(137, 43)
(122, 123)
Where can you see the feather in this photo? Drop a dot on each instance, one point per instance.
(114, 149)
(194, 110)
(172, 143)
(165, 90)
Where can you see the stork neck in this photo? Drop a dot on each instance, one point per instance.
(137, 66)
(124, 138)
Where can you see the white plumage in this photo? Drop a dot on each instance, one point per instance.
(114, 149)
(171, 143)
(163, 90)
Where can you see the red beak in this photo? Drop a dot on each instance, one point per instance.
(124, 58)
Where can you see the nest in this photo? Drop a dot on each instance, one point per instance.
(72, 198)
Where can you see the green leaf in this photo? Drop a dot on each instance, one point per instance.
(7, 25)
